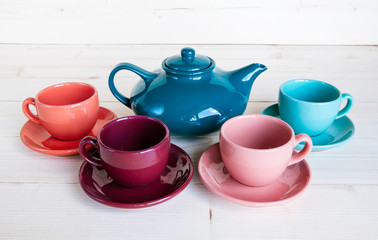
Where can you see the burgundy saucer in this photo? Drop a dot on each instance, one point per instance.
(99, 186)
(216, 178)
(35, 137)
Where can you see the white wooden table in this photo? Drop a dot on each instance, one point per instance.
(42, 199)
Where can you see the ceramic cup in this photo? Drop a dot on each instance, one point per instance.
(311, 106)
(134, 150)
(68, 111)
(256, 149)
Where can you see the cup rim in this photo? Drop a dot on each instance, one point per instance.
(224, 137)
(95, 93)
(163, 141)
(309, 80)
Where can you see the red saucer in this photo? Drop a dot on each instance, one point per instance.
(99, 186)
(35, 137)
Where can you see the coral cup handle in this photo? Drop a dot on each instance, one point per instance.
(27, 112)
(299, 156)
(84, 153)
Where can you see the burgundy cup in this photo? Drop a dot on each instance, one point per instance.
(134, 150)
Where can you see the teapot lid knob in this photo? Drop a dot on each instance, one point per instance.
(187, 55)
(188, 63)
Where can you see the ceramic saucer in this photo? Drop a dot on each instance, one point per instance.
(339, 133)
(217, 179)
(38, 139)
(99, 186)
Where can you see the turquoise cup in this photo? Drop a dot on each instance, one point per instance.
(311, 106)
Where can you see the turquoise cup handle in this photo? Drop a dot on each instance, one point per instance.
(144, 74)
(347, 107)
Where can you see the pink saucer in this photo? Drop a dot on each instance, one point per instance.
(99, 186)
(35, 136)
(216, 178)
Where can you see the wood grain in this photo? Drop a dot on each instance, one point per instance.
(193, 22)
(63, 211)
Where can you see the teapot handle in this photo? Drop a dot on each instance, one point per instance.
(144, 74)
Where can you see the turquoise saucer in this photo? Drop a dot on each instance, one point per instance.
(340, 132)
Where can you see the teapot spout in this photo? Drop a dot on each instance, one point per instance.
(243, 78)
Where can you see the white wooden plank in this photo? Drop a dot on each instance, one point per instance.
(215, 22)
(321, 212)
(61, 211)
(64, 211)
(351, 68)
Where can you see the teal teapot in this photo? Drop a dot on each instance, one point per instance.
(189, 94)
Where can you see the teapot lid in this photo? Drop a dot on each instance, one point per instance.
(188, 62)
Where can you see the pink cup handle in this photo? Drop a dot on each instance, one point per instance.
(83, 151)
(297, 157)
(27, 112)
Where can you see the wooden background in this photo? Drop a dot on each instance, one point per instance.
(46, 42)
(189, 22)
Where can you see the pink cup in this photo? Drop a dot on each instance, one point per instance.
(256, 149)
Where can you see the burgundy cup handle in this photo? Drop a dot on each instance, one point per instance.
(27, 112)
(83, 151)
(299, 156)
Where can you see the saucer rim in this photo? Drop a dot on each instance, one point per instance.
(316, 147)
(144, 204)
(252, 203)
(60, 152)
